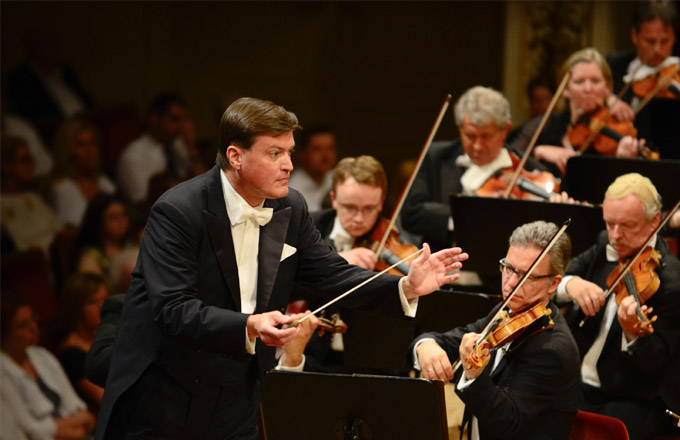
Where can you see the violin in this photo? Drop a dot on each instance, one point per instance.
(505, 329)
(644, 281)
(393, 250)
(640, 281)
(331, 325)
(603, 132)
(668, 75)
(495, 334)
(496, 185)
(389, 250)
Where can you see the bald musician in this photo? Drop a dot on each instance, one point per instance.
(623, 369)
(527, 388)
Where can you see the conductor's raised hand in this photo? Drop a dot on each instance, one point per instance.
(430, 271)
(263, 326)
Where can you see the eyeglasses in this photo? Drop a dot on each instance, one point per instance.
(508, 270)
(353, 210)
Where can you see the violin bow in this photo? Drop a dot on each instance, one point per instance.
(495, 320)
(363, 283)
(532, 143)
(663, 82)
(630, 263)
(623, 273)
(421, 158)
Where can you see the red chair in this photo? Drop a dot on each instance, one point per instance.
(591, 426)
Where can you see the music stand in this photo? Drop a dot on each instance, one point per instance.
(444, 310)
(589, 176)
(376, 343)
(336, 406)
(483, 225)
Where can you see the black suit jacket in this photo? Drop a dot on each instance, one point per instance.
(427, 210)
(182, 311)
(533, 392)
(638, 372)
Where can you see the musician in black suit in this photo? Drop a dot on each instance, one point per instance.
(653, 35)
(623, 367)
(217, 263)
(527, 388)
(462, 166)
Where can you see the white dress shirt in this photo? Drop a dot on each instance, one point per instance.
(589, 374)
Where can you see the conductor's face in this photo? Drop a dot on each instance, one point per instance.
(263, 169)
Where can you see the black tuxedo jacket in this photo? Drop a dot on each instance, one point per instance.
(427, 209)
(533, 392)
(182, 312)
(638, 372)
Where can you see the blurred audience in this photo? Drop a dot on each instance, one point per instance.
(35, 390)
(16, 126)
(168, 144)
(80, 305)
(316, 154)
(77, 176)
(26, 220)
(103, 236)
(43, 89)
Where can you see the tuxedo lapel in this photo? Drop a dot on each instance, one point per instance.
(272, 238)
(219, 231)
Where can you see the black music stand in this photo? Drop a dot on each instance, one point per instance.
(335, 406)
(444, 310)
(375, 344)
(589, 176)
(482, 226)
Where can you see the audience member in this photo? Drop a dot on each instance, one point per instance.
(77, 174)
(316, 155)
(98, 358)
(43, 89)
(168, 144)
(16, 126)
(103, 236)
(27, 221)
(35, 388)
(80, 305)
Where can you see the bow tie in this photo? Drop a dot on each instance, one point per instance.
(259, 216)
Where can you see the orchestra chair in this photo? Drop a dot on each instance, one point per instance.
(591, 426)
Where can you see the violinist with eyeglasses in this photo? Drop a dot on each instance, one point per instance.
(627, 340)
(524, 385)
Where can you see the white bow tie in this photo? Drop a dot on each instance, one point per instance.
(259, 216)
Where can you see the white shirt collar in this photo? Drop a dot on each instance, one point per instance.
(613, 256)
(341, 238)
(637, 72)
(476, 175)
(232, 199)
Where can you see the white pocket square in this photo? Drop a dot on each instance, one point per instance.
(287, 251)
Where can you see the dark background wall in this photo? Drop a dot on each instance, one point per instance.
(377, 71)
